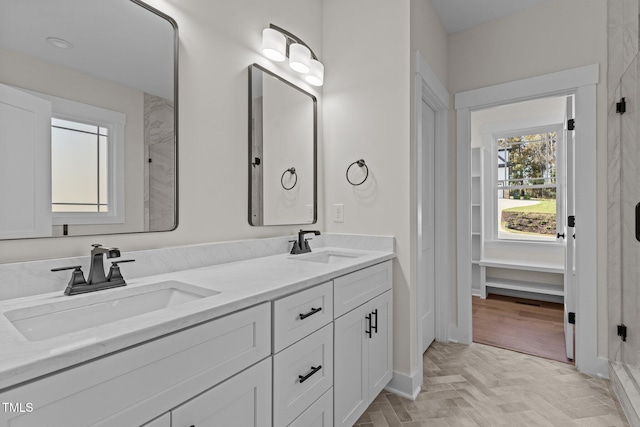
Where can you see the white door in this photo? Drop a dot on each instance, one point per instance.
(241, 401)
(426, 265)
(570, 242)
(25, 164)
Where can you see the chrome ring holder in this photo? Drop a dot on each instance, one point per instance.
(292, 171)
(361, 164)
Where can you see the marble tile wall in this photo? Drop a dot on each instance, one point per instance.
(35, 277)
(159, 189)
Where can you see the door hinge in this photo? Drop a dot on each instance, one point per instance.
(572, 318)
(571, 124)
(571, 221)
(622, 332)
(621, 107)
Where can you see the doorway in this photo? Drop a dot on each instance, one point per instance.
(580, 82)
(521, 186)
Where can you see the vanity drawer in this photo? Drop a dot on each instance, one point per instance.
(320, 414)
(354, 289)
(133, 386)
(301, 374)
(298, 315)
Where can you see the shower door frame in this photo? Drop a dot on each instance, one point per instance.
(580, 82)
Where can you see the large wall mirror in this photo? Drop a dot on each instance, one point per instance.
(282, 151)
(88, 118)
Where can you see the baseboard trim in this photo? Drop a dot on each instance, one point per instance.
(404, 385)
(456, 335)
(624, 396)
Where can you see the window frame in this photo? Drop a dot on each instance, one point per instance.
(114, 122)
(491, 193)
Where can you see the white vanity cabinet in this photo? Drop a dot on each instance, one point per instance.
(314, 358)
(363, 343)
(242, 401)
(135, 386)
(303, 356)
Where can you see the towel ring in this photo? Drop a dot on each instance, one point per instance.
(292, 171)
(362, 164)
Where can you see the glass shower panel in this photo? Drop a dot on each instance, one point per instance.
(629, 90)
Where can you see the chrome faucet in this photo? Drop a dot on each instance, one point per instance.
(97, 279)
(301, 246)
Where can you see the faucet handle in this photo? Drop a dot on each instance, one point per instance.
(114, 271)
(77, 277)
(96, 245)
(120, 261)
(73, 267)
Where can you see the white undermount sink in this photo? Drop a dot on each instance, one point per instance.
(327, 257)
(76, 313)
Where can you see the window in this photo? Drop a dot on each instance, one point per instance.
(527, 185)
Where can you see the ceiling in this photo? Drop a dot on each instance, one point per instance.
(116, 40)
(458, 15)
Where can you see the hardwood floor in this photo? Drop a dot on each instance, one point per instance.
(478, 385)
(527, 326)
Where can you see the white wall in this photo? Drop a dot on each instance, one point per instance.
(218, 41)
(368, 112)
(554, 36)
(429, 37)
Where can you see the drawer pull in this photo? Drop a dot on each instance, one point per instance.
(314, 369)
(368, 320)
(311, 313)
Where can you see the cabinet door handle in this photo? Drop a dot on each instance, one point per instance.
(368, 326)
(374, 327)
(311, 313)
(314, 369)
(638, 222)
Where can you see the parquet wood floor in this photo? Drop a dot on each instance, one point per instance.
(532, 327)
(479, 385)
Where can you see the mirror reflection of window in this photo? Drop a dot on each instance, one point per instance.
(79, 167)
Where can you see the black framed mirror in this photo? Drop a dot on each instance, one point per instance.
(89, 89)
(282, 151)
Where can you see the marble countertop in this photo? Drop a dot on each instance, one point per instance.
(240, 285)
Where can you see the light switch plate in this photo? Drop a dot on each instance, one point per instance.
(338, 212)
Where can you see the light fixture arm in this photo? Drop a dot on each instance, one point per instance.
(292, 38)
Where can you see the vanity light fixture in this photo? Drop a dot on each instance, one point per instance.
(274, 45)
(279, 44)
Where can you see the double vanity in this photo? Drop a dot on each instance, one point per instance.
(279, 340)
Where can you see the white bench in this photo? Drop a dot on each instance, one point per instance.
(545, 278)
